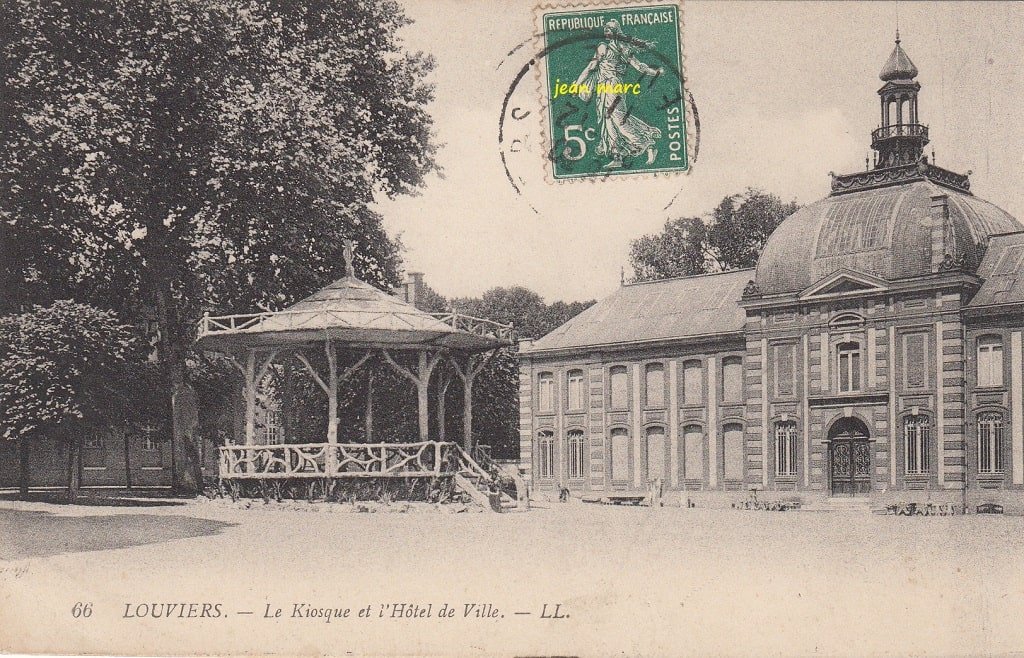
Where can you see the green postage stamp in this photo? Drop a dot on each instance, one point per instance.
(613, 84)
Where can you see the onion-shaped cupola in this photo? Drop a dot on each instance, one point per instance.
(901, 138)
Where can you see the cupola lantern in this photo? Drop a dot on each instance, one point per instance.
(901, 138)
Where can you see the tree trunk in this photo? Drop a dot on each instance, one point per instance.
(127, 461)
(185, 467)
(23, 480)
(74, 467)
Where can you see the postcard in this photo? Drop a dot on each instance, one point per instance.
(477, 328)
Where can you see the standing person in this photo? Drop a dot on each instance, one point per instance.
(622, 134)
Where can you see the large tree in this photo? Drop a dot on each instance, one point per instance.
(67, 370)
(730, 237)
(180, 156)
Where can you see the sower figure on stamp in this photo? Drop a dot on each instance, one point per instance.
(622, 133)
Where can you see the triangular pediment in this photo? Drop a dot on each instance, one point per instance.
(845, 282)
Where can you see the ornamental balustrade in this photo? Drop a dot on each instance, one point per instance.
(345, 460)
(899, 130)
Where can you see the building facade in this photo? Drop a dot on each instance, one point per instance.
(875, 351)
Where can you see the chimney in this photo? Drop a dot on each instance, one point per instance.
(413, 288)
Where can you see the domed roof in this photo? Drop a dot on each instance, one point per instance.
(898, 66)
(885, 232)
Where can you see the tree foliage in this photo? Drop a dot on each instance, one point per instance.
(201, 155)
(66, 370)
(730, 237)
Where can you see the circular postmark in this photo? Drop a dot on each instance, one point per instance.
(587, 124)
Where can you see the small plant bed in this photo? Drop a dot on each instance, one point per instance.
(753, 503)
(927, 509)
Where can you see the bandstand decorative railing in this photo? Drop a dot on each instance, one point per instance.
(294, 320)
(427, 470)
(345, 460)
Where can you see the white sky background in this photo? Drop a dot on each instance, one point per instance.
(785, 92)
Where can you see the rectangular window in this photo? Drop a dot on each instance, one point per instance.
(546, 455)
(619, 387)
(732, 379)
(654, 385)
(990, 443)
(577, 457)
(575, 386)
(620, 455)
(915, 445)
(95, 454)
(990, 361)
(733, 452)
(915, 361)
(693, 383)
(785, 449)
(849, 367)
(546, 392)
(783, 370)
(655, 453)
(693, 453)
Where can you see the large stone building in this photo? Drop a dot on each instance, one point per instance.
(874, 351)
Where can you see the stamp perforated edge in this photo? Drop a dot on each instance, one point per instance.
(541, 75)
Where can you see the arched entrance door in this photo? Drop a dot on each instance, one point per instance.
(849, 457)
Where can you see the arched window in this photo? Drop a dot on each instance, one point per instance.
(620, 454)
(575, 388)
(576, 451)
(990, 443)
(733, 452)
(916, 431)
(693, 453)
(546, 454)
(990, 361)
(654, 385)
(619, 383)
(732, 379)
(693, 382)
(849, 366)
(546, 392)
(785, 449)
(655, 453)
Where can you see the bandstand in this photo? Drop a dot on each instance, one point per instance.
(351, 316)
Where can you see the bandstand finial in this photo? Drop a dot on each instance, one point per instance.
(350, 270)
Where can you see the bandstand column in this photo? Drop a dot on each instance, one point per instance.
(423, 395)
(332, 393)
(250, 398)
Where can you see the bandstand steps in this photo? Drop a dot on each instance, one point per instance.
(470, 488)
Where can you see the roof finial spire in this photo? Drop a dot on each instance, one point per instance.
(350, 270)
(897, 22)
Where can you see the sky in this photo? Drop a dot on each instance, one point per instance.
(786, 93)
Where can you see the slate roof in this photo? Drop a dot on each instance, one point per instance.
(660, 310)
(354, 312)
(1003, 272)
(884, 232)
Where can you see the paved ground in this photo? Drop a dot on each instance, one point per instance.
(630, 580)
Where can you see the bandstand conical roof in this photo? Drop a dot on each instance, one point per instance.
(352, 312)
